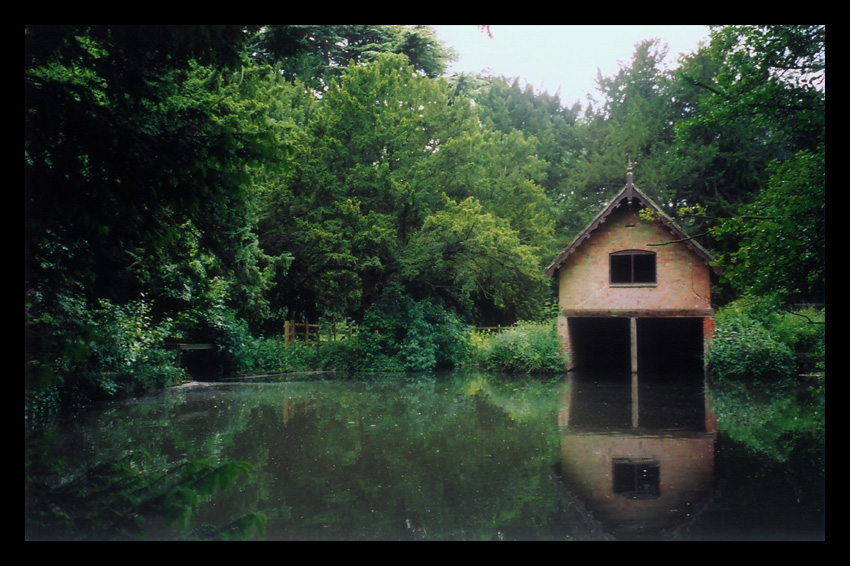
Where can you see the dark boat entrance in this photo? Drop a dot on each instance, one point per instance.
(631, 344)
(600, 344)
(670, 344)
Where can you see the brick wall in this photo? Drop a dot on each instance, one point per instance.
(683, 281)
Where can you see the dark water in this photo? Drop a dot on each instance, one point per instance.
(460, 456)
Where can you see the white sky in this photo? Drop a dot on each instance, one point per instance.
(550, 57)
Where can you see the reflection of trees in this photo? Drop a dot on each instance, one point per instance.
(461, 457)
(430, 458)
(138, 466)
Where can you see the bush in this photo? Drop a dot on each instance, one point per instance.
(255, 355)
(400, 334)
(301, 356)
(77, 352)
(805, 333)
(131, 351)
(246, 354)
(744, 348)
(340, 355)
(528, 347)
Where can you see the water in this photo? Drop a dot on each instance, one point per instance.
(459, 456)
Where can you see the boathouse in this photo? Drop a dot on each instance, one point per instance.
(634, 291)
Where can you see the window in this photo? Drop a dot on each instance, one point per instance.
(632, 267)
(637, 478)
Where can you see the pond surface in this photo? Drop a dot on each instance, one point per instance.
(458, 456)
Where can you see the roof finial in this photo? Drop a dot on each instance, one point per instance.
(629, 184)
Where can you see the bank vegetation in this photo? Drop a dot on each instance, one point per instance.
(205, 184)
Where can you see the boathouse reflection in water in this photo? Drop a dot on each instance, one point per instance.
(638, 450)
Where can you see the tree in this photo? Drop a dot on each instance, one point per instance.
(139, 147)
(633, 121)
(539, 118)
(375, 161)
(319, 54)
(755, 98)
(463, 254)
(128, 138)
(754, 140)
(779, 239)
(772, 77)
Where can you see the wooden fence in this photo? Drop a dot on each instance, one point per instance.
(331, 332)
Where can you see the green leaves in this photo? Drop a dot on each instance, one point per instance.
(389, 176)
(781, 236)
(401, 334)
(319, 54)
(462, 252)
(527, 347)
(743, 349)
(111, 500)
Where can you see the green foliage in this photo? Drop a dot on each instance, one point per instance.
(238, 176)
(116, 498)
(318, 54)
(526, 347)
(300, 356)
(769, 79)
(386, 166)
(400, 334)
(780, 238)
(804, 331)
(745, 348)
(339, 356)
(140, 145)
(755, 364)
(77, 353)
(632, 121)
(246, 354)
(257, 355)
(775, 418)
(123, 146)
(462, 252)
(508, 107)
(199, 480)
(132, 346)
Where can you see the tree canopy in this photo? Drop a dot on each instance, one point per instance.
(218, 180)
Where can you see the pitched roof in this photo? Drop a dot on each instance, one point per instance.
(629, 193)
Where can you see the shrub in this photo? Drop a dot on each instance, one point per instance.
(340, 355)
(246, 354)
(805, 333)
(131, 351)
(744, 348)
(400, 334)
(528, 347)
(260, 354)
(300, 356)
